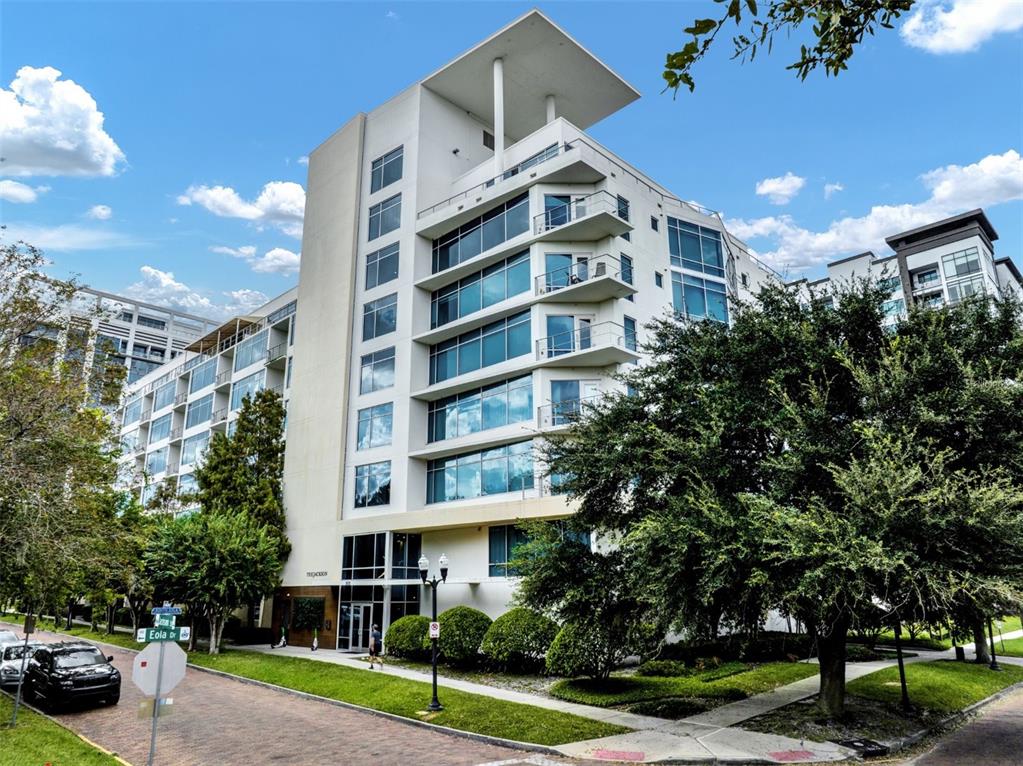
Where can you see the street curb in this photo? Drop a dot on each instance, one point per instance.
(66, 728)
(484, 738)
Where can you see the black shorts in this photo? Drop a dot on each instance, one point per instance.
(373, 649)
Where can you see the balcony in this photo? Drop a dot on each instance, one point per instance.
(277, 355)
(597, 345)
(175, 434)
(223, 379)
(180, 400)
(561, 414)
(589, 218)
(593, 280)
(219, 419)
(147, 413)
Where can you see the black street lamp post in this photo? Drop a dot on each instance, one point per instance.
(991, 636)
(424, 568)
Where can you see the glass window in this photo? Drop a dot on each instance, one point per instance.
(377, 371)
(164, 396)
(926, 278)
(958, 291)
(623, 208)
(504, 543)
(889, 284)
(699, 298)
(250, 351)
(494, 343)
(375, 426)
(564, 401)
(493, 406)
(961, 263)
(132, 412)
(187, 485)
(203, 376)
(655, 223)
(626, 268)
(560, 334)
(658, 279)
(199, 411)
(160, 429)
(373, 484)
(363, 557)
(489, 230)
(384, 217)
(382, 266)
(130, 442)
(475, 474)
(156, 324)
(894, 308)
(695, 247)
(379, 317)
(386, 170)
(246, 387)
(193, 447)
(485, 288)
(629, 325)
(156, 461)
(140, 368)
(406, 549)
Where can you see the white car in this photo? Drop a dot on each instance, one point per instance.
(11, 661)
(8, 637)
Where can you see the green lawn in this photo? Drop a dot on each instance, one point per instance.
(943, 686)
(79, 631)
(620, 690)
(37, 740)
(1013, 647)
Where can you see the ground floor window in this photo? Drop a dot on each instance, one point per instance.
(362, 607)
(362, 557)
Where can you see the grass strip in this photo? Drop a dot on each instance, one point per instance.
(943, 686)
(620, 690)
(38, 740)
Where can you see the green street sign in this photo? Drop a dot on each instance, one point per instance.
(163, 634)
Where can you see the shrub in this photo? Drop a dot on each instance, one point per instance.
(672, 707)
(462, 629)
(407, 636)
(583, 650)
(663, 669)
(308, 613)
(518, 640)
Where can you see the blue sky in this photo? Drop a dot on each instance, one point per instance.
(927, 122)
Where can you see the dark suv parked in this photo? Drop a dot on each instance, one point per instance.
(71, 671)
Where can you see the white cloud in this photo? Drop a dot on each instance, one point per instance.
(67, 238)
(280, 203)
(993, 180)
(275, 261)
(52, 127)
(303, 160)
(959, 26)
(392, 15)
(780, 190)
(15, 191)
(162, 288)
(830, 189)
(100, 212)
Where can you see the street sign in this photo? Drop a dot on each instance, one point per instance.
(434, 630)
(163, 634)
(160, 661)
(166, 610)
(30, 625)
(164, 620)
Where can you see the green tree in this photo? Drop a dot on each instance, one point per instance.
(838, 28)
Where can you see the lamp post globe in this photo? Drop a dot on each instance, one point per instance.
(433, 582)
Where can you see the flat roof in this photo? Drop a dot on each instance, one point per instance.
(540, 59)
(943, 226)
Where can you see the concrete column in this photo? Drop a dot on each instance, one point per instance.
(498, 116)
(551, 112)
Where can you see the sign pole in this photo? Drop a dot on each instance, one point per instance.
(29, 628)
(156, 707)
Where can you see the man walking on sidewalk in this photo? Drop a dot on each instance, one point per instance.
(376, 647)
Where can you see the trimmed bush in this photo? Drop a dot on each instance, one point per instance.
(462, 629)
(407, 636)
(583, 650)
(663, 669)
(518, 640)
(672, 707)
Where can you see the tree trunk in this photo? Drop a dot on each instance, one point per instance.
(980, 642)
(831, 656)
(215, 634)
(69, 623)
(192, 638)
(111, 611)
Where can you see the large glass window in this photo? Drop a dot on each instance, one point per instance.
(491, 472)
(130, 442)
(699, 298)
(500, 404)
(246, 387)
(480, 234)
(375, 426)
(629, 325)
(695, 247)
(385, 217)
(193, 447)
(164, 396)
(250, 351)
(373, 484)
(160, 429)
(480, 290)
(894, 309)
(156, 461)
(623, 208)
(626, 269)
(377, 371)
(187, 485)
(132, 412)
(379, 317)
(962, 263)
(386, 170)
(382, 266)
(363, 557)
(405, 551)
(504, 542)
(492, 344)
(199, 411)
(203, 376)
(966, 288)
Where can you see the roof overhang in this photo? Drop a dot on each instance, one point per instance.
(211, 340)
(540, 59)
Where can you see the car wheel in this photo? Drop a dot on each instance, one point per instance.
(113, 699)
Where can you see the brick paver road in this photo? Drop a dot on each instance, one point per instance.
(221, 722)
(994, 738)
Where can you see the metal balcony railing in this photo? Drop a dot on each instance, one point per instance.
(219, 416)
(181, 398)
(563, 413)
(579, 272)
(223, 378)
(586, 337)
(276, 353)
(175, 434)
(560, 215)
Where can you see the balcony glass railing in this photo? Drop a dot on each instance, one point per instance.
(560, 215)
(577, 273)
(563, 413)
(584, 338)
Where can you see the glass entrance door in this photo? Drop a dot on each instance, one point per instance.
(360, 626)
